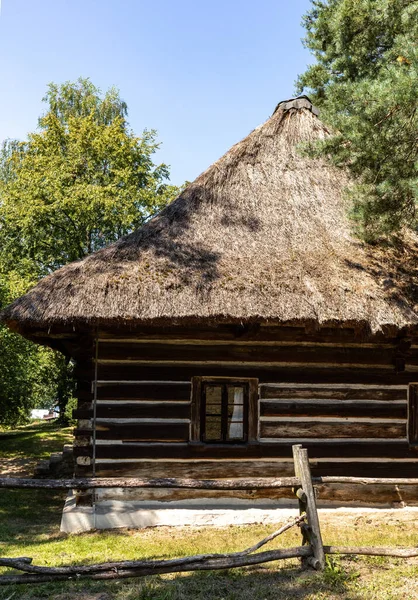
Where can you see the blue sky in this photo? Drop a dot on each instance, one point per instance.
(203, 74)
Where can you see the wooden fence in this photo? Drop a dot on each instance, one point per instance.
(312, 552)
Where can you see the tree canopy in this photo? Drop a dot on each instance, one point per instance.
(365, 80)
(79, 182)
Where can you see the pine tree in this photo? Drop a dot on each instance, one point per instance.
(365, 81)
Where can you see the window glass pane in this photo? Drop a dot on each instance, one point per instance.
(235, 430)
(213, 394)
(214, 409)
(213, 428)
(235, 412)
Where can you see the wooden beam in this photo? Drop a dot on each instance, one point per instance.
(331, 429)
(112, 482)
(313, 392)
(413, 414)
(207, 484)
(334, 408)
(303, 472)
(317, 448)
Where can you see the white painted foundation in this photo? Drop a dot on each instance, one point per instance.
(112, 514)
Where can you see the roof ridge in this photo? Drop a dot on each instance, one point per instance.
(298, 102)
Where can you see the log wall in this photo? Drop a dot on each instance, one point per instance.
(341, 396)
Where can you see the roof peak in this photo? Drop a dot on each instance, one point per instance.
(298, 102)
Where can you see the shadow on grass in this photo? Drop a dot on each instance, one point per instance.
(255, 583)
(25, 513)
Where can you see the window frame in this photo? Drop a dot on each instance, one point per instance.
(198, 406)
(412, 415)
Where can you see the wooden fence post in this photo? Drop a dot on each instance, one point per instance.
(307, 502)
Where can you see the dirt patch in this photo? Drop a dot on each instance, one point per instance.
(358, 518)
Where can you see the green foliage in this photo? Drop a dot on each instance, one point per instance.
(365, 81)
(78, 183)
(81, 181)
(335, 575)
(29, 374)
(68, 411)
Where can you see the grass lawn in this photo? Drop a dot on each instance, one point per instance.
(22, 448)
(29, 526)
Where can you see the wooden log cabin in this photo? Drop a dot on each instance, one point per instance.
(242, 319)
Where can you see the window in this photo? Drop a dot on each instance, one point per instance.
(224, 411)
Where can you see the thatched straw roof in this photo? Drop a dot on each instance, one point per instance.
(263, 234)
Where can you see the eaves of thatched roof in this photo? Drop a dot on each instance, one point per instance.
(263, 234)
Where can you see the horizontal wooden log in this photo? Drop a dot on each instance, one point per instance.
(102, 482)
(165, 432)
(195, 469)
(333, 408)
(265, 374)
(341, 494)
(336, 429)
(126, 569)
(167, 567)
(363, 470)
(297, 353)
(346, 494)
(176, 495)
(372, 551)
(137, 390)
(204, 484)
(305, 332)
(126, 410)
(337, 393)
(256, 332)
(367, 480)
(25, 564)
(224, 469)
(317, 449)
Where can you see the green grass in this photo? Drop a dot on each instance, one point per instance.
(35, 441)
(29, 526)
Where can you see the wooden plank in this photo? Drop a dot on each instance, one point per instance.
(379, 494)
(343, 494)
(253, 416)
(126, 410)
(264, 374)
(338, 493)
(255, 332)
(392, 449)
(303, 472)
(413, 413)
(170, 495)
(140, 431)
(336, 429)
(335, 408)
(135, 390)
(323, 393)
(226, 470)
(396, 470)
(195, 469)
(248, 353)
(195, 409)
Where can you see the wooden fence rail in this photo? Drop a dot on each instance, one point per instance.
(197, 484)
(312, 552)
